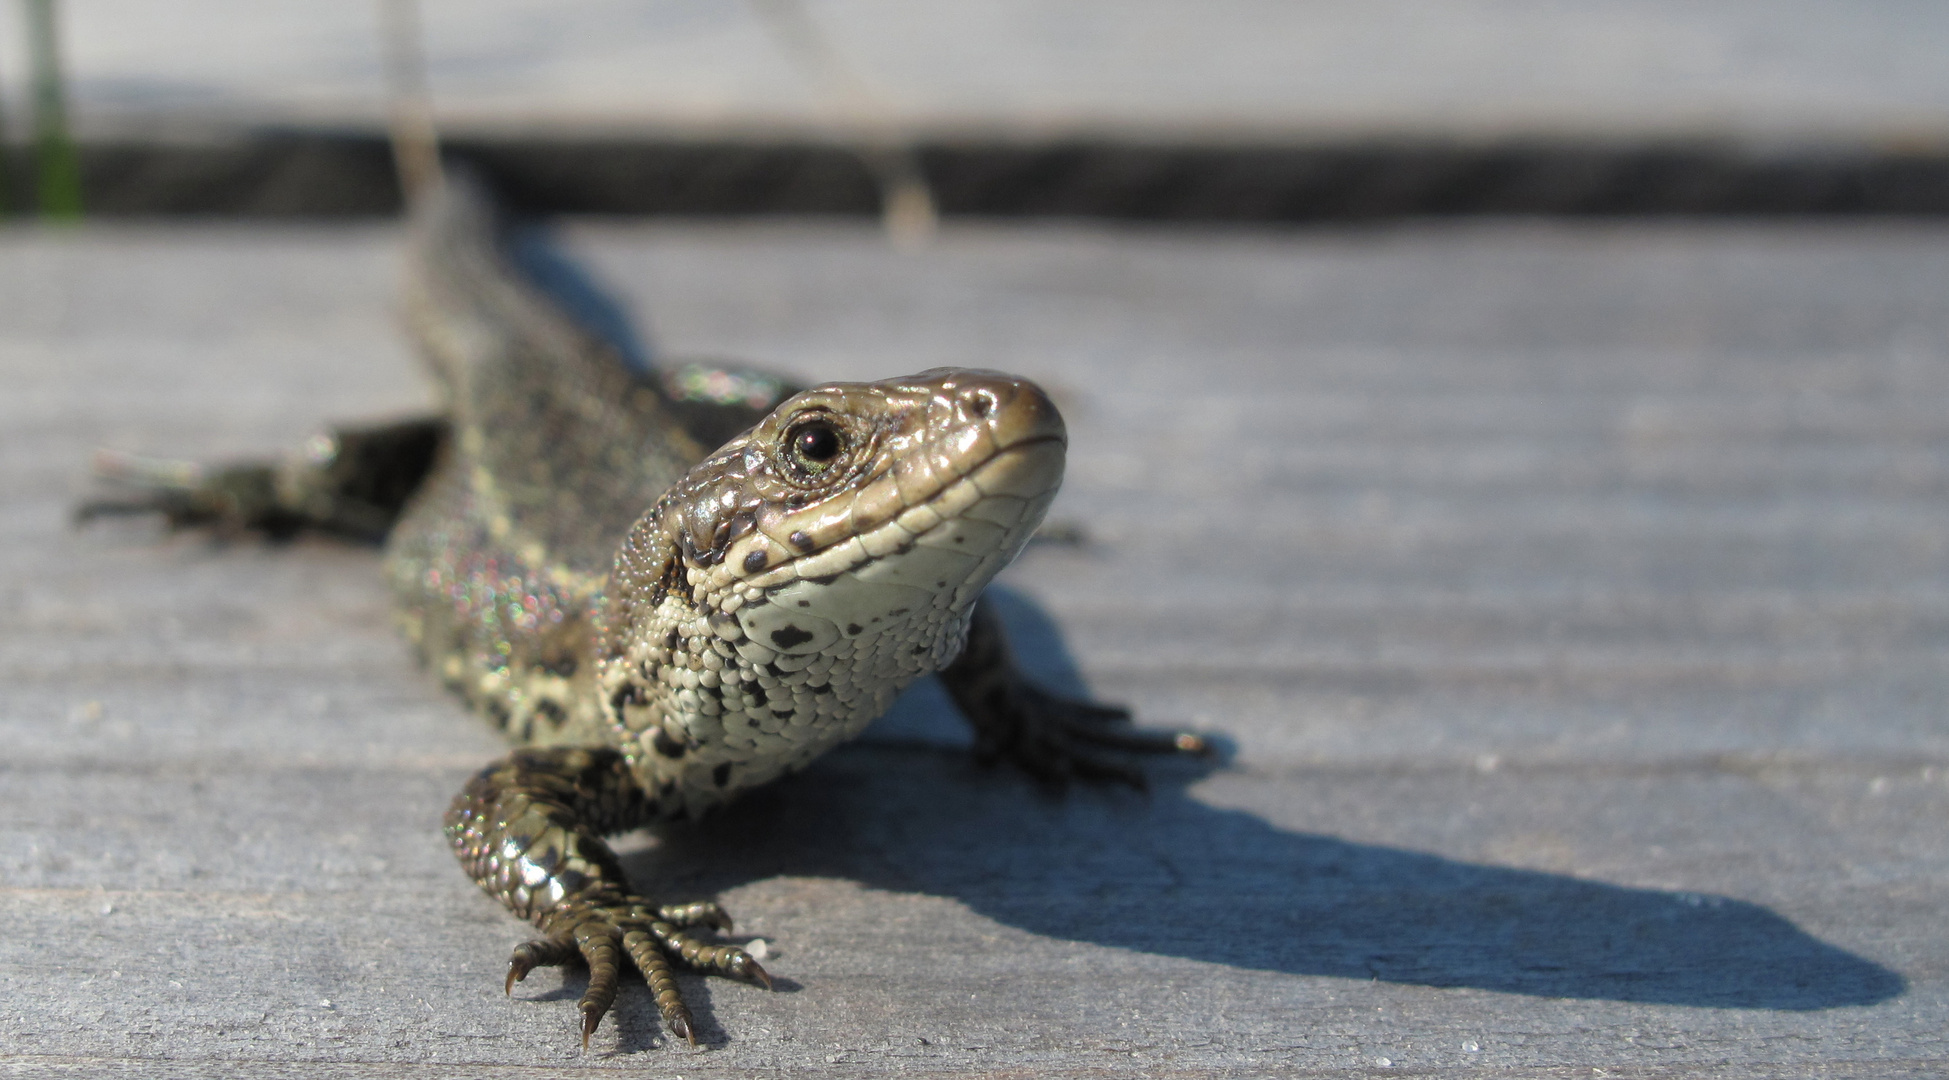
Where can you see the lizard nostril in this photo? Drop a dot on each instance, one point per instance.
(979, 403)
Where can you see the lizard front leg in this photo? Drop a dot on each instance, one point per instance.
(1051, 738)
(527, 829)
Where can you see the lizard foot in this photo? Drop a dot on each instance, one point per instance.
(351, 481)
(232, 499)
(1056, 739)
(1053, 739)
(652, 937)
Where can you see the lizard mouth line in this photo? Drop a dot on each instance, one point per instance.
(985, 481)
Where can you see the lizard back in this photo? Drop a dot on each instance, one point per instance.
(556, 446)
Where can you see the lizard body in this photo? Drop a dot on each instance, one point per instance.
(656, 624)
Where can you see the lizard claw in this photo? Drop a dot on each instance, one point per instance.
(654, 939)
(591, 1016)
(541, 952)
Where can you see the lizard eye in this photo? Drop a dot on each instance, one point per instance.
(814, 445)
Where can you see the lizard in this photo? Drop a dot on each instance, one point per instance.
(664, 597)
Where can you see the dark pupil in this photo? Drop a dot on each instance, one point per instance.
(816, 442)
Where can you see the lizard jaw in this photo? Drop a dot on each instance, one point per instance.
(816, 657)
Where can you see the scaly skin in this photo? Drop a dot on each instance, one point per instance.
(525, 828)
(660, 627)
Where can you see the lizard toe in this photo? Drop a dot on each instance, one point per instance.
(541, 952)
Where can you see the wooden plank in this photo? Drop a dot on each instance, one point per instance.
(1572, 599)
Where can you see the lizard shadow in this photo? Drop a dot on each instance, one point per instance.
(536, 250)
(906, 810)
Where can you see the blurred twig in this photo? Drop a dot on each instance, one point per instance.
(60, 170)
(907, 206)
(6, 162)
(416, 142)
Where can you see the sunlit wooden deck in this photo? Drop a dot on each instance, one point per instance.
(1573, 601)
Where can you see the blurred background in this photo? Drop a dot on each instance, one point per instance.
(1232, 109)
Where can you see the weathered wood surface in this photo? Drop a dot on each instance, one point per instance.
(1574, 599)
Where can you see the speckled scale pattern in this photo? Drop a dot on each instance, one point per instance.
(555, 448)
(498, 566)
(526, 828)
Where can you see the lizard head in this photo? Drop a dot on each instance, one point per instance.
(776, 600)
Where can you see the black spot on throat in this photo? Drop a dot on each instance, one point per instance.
(552, 713)
(666, 745)
(786, 637)
(755, 562)
(802, 540)
(629, 694)
(722, 774)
